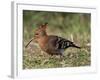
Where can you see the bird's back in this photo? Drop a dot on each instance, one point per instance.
(55, 44)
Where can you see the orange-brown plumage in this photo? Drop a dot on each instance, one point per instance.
(51, 44)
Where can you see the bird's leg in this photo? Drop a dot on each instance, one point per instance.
(61, 56)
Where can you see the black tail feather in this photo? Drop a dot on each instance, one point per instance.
(76, 46)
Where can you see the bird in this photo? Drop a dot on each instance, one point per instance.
(51, 44)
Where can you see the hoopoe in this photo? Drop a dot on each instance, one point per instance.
(51, 44)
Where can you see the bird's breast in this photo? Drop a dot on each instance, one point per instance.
(42, 43)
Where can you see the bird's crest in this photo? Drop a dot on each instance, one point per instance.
(43, 26)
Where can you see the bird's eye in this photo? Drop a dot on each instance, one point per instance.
(36, 34)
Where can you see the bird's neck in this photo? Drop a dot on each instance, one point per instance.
(42, 41)
(44, 34)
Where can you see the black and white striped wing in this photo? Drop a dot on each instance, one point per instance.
(62, 43)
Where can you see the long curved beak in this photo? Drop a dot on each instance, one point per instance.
(29, 42)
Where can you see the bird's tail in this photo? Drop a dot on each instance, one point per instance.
(73, 45)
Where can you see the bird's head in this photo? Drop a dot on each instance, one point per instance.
(41, 31)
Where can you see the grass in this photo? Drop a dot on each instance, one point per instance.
(72, 26)
(72, 58)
